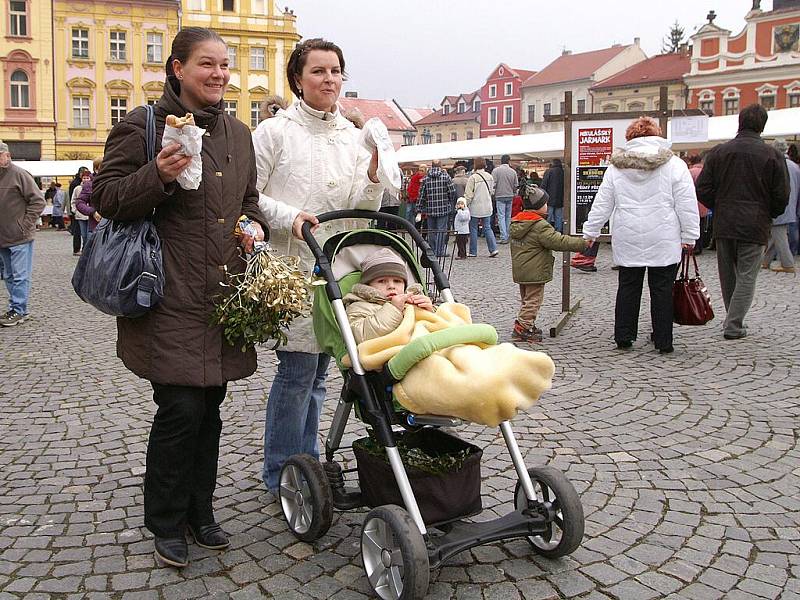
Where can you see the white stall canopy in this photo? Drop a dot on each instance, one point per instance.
(53, 168)
(783, 123)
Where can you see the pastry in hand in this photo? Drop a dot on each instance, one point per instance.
(179, 122)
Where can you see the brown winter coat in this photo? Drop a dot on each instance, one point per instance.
(174, 344)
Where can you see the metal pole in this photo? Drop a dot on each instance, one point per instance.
(567, 162)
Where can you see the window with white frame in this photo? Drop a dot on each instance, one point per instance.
(18, 18)
(119, 108)
(462, 106)
(154, 52)
(492, 115)
(731, 105)
(80, 111)
(561, 107)
(508, 114)
(232, 52)
(509, 88)
(117, 45)
(476, 106)
(230, 107)
(438, 138)
(20, 90)
(707, 105)
(492, 91)
(227, 6)
(469, 134)
(258, 59)
(794, 99)
(767, 99)
(80, 43)
(453, 136)
(255, 114)
(531, 113)
(445, 109)
(546, 109)
(581, 106)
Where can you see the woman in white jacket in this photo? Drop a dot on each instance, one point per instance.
(309, 161)
(478, 195)
(648, 195)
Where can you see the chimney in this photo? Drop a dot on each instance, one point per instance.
(636, 41)
(565, 52)
(683, 49)
(351, 94)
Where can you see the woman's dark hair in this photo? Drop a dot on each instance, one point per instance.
(695, 159)
(297, 60)
(184, 43)
(753, 118)
(793, 154)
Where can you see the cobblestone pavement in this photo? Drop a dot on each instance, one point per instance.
(687, 464)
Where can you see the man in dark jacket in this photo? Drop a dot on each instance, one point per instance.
(553, 184)
(437, 199)
(746, 183)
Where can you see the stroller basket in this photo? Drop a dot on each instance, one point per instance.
(442, 496)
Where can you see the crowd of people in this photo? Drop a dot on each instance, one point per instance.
(305, 160)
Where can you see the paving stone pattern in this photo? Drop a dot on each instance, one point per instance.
(687, 464)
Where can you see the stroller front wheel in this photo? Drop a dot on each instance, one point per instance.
(394, 554)
(565, 531)
(305, 497)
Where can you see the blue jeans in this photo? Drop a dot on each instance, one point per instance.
(84, 227)
(17, 266)
(293, 408)
(437, 236)
(555, 216)
(794, 238)
(411, 211)
(504, 216)
(491, 244)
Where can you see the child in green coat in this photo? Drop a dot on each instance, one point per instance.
(533, 240)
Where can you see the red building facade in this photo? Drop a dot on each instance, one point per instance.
(501, 101)
(761, 64)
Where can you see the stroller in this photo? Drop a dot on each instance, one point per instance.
(402, 540)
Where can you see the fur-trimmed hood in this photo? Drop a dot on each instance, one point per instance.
(644, 153)
(367, 293)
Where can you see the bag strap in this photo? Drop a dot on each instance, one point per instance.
(150, 131)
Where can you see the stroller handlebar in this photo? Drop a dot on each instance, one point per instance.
(427, 259)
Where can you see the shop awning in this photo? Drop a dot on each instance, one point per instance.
(53, 168)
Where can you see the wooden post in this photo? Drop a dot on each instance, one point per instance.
(663, 109)
(567, 210)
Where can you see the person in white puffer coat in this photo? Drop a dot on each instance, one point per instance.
(309, 161)
(648, 195)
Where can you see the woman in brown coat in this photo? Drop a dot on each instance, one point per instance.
(173, 346)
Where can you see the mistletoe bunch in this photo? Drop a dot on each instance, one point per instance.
(270, 293)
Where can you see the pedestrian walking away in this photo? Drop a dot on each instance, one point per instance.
(478, 196)
(506, 186)
(746, 184)
(338, 174)
(21, 203)
(648, 195)
(437, 198)
(779, 243)
(173, 346)
(553, 184)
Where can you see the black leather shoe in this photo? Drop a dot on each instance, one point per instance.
(209, 536)
(667, 350)
(172, 551)
(624, 344)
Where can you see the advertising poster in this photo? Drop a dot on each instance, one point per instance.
(593, 142)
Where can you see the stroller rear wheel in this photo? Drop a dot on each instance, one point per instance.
(565, 530)
(394, 554)
(305, 497)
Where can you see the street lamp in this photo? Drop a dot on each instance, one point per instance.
(408, 137)
(426, 136)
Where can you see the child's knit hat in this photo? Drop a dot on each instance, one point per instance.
(383, 263)
(535, 198)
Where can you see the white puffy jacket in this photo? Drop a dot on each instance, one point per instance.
(312, 161)
(648, 195)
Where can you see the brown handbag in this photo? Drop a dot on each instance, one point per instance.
(691, 302)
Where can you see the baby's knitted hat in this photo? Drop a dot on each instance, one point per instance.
(383, 263)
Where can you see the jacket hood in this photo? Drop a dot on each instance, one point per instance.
(170, 101)
(367, 293)
(644, 153)
(436, 173)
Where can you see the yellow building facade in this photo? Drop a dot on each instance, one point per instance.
(27, 120)
(110, 58)
(260, 38)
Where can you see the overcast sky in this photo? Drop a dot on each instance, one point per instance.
(418, 51)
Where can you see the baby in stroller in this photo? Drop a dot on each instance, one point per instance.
(467, 375)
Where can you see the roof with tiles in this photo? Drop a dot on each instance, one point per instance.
(386, 110)
(453, 116)
(569, 67)
(656, 69)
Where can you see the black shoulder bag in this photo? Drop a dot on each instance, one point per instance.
(120, 271)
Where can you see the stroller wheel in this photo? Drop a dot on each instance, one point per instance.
(565, 532)
(394, 554)
(305, 497)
